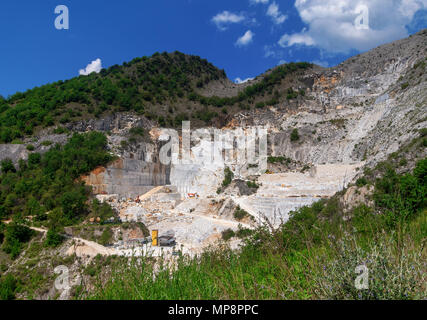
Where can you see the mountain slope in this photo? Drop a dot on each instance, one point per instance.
(343, 143)
(361, 110)
(164, 88)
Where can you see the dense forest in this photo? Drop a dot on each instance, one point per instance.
(46, 187)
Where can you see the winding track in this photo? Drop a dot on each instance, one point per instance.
(94, 247)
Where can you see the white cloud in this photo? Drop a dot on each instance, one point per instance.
(258, 1)
(281, 62)
(269, 51)
(240, 81)
(274, 12)
(246, 39)
(296, 38)
(274, 51)
(409, 7)
(225, 18)
(331, 23)
(94, 66)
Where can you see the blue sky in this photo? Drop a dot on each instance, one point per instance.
(33, 52)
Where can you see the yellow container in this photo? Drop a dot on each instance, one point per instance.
(155, 237)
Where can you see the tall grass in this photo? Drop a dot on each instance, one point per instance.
(397, 270)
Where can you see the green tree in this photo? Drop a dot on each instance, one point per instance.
(7, 166)
(53, 238)
(7, 287)
(15, 236)
(295, 135)
(34, 159)
(73, 204)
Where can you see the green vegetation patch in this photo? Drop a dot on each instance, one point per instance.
(228, 177)
(240, 214)
(295, 135)
(50, 182)
(280, 159)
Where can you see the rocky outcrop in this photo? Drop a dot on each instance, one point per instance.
(355, 196)
(127, 178)
(363, 109)
(117, 123)
(13, 152)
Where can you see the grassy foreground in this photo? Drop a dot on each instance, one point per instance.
(313, 256)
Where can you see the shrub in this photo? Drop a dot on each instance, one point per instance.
(295, 135)
(101, 210)
(161, 120)
(420, 172)
(403, 162)
(46, 143)
(53, 238)
(7, 166)
(137, 131)
(252, 184)
(244, 233)
(91, 270)
(30, 147)
(282, 160)
(260, 105)
(145, 231)
(15, 236)
(228, 177)
(387, 278)
(7, 287)
(227, 234)
(239, 214)
(291, 94)
(2, 229)
(60, 130)
(400, 197)
(361, 182)
(106, 236)
(73, 203)
(34, 159)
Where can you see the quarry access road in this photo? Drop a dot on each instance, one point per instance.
(227, 223)
(32, 228)
(93, 247)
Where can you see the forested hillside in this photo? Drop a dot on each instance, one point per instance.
(162, 87)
